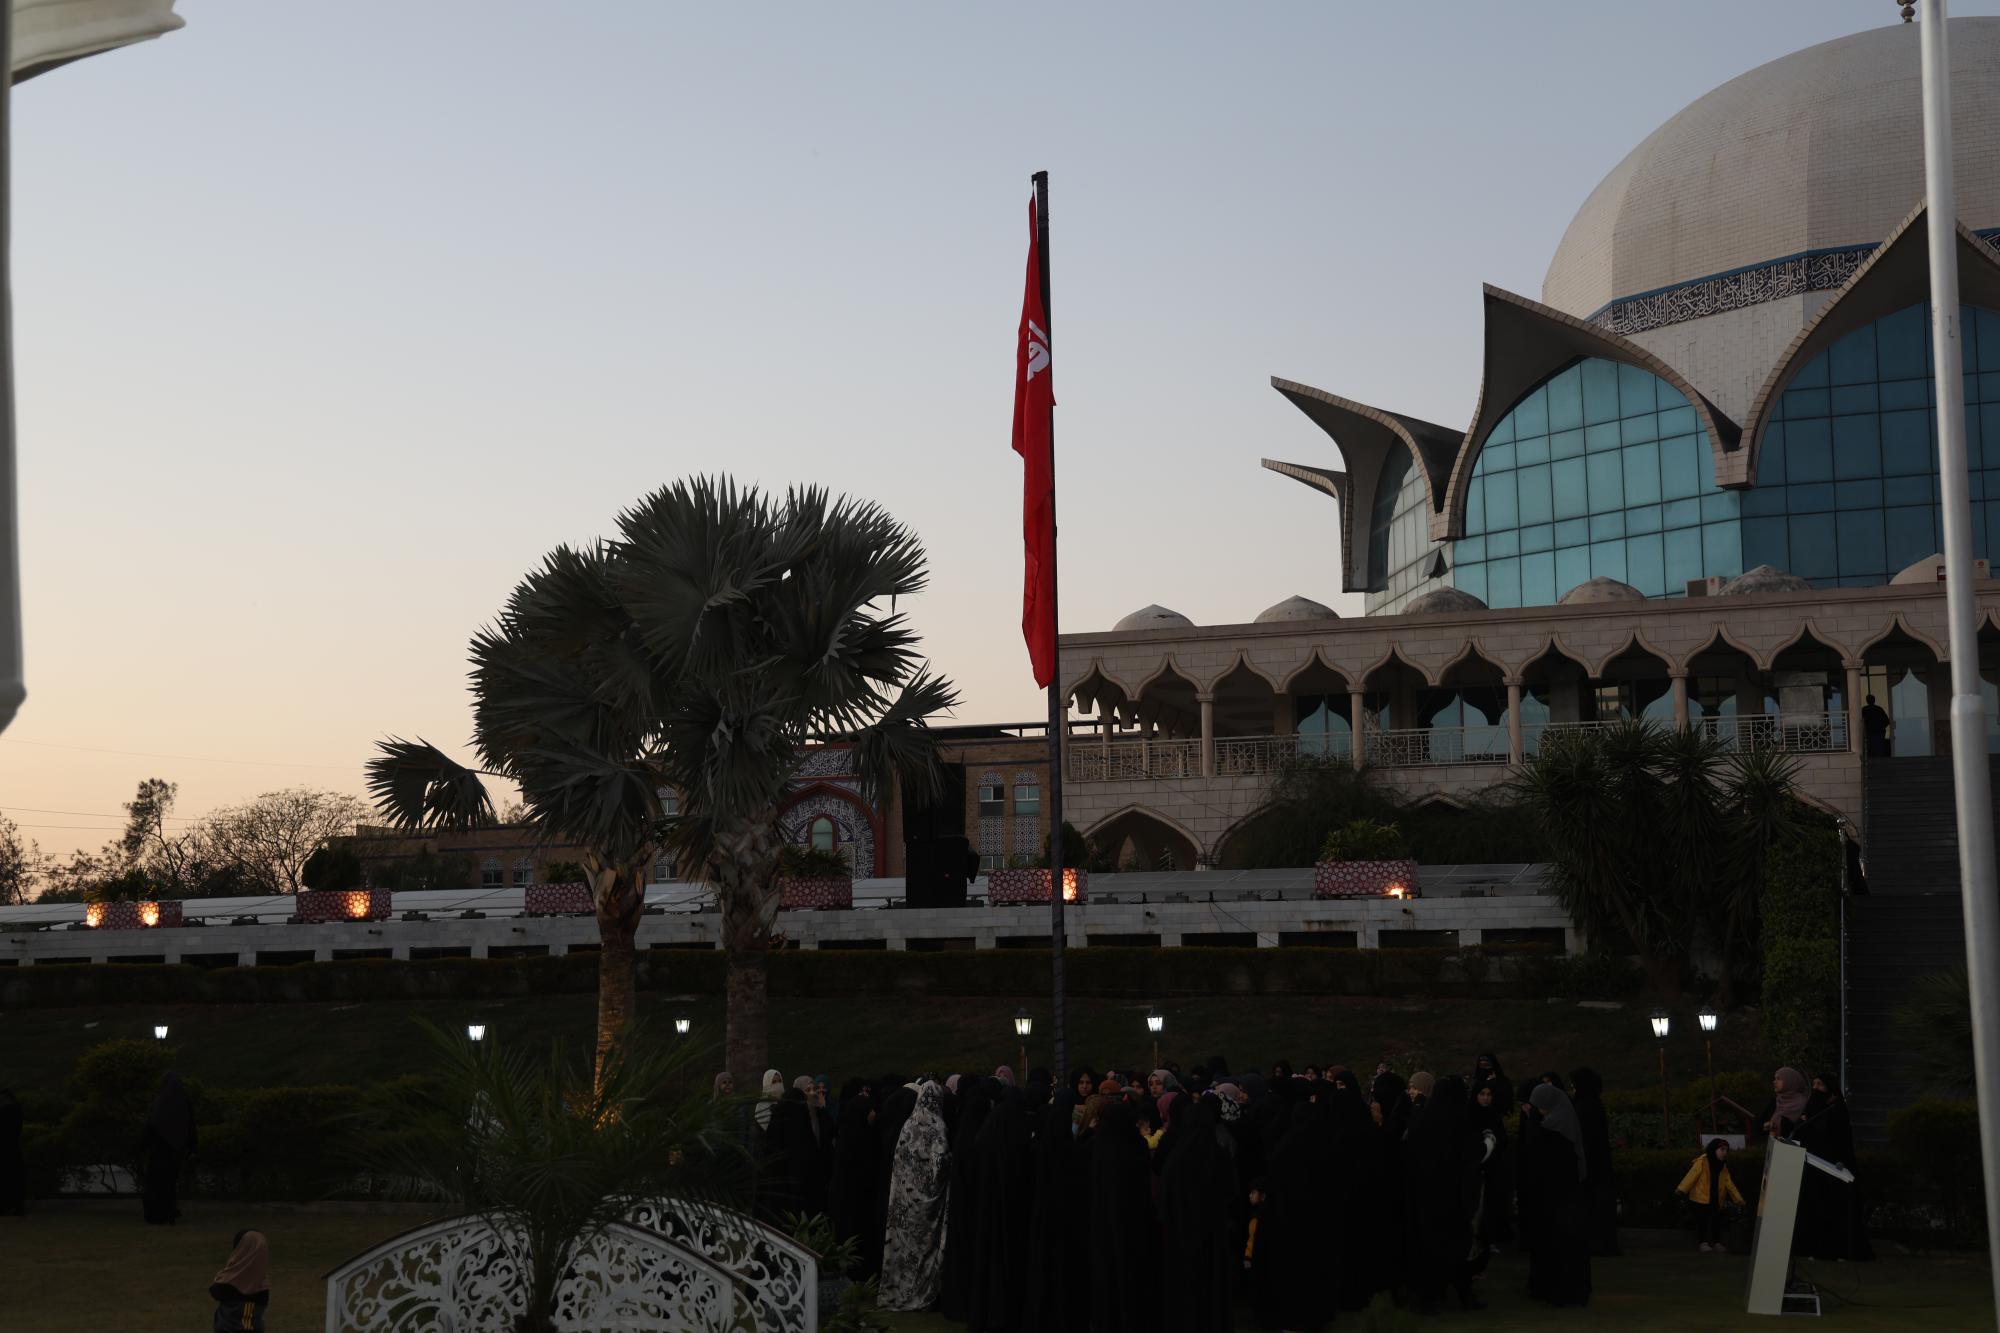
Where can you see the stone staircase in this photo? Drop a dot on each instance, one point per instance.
(1907, 925)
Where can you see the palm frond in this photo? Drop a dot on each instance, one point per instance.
(898, 746)
(418, 786)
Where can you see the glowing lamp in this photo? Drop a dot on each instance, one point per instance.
(475, 1032)
(1069, 885)
(1024, 1023)
(1662, 1022)
(356, 904)
(1156, 1022)
(1709, 1019)
(93, 915)
(159, 1032)
(149, 914)
(1398, 891)
(681, 1026)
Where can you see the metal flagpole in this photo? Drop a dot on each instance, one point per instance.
(13, 676)
(1057, 713)
(1977, 884)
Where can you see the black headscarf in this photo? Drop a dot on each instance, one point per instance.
(1004, 1171)
(975, 1101)
(1503, 1089)
(1124, 1242)
(1198, 1208)
(1441, 1188)
(1057, 1267)
(172, 1116)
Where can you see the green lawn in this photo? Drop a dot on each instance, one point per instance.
(271, 1044)
(81, 1268)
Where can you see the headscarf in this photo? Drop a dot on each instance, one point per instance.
(774, 1084)
(1094, 1108)
(1226, 1094)
(913, 1249)
(1165, 1105)
(1005, 1075)
(172, 1116)
(249, 1266)
(1559, 1117)
(1792, 1090)
(1110, 1087)
(1422, 1084)
(951, 1084)
(1169, 1082)
(720, 1092)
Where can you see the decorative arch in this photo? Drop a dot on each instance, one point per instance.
(1895, 277)
(1721, 632)
(1079, 691)
(1808, 628)
(1114, 825)
(1242, 661)
(1635, 640)
(1468, 651)
(1394, 654)
(1317, 657)
(1527, 343)
(855, 823)
(1550, 643)
(1899, 621)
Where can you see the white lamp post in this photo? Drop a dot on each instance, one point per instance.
(475, 1032)
(159, 1032)
(682, 1025)
(1024, 1024)
(1662, 1024)
(1156, 1023)
(1710, 1020)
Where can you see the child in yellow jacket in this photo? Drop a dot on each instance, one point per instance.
(1707, 1185)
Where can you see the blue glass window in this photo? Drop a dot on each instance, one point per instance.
(1604, 471)
(1851, 453)
(1400, 548)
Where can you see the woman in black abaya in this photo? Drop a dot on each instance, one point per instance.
(1198, 1207)
(167, 1143)
(1124, 1242)
(850, 1196)
(1362, 1252)
(1441, 1186)
(1832, 1221)
(1599, 1187)
(1297, 1231)
(1057, 1272)
(1556, 1213)
(975, 1100)
(1005, 1188)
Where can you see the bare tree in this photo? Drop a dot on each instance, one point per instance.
(20, 866)
(272, 837)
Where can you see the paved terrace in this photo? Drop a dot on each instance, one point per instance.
(1457, 906)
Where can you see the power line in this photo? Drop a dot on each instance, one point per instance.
(81, 828)
(187, 758)
(86, 814)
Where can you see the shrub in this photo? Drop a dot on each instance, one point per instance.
(1935, 1028)
(1365, 840)
(812, 863)
(333, 867)
(1936, 1141)
(564, 872)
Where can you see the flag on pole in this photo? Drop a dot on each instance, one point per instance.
(1034, 404)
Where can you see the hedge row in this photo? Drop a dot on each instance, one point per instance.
(1518, 971)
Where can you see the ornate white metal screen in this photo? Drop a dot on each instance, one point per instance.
(779, 1276)
(463, 1275)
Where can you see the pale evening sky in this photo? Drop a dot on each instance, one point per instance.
(331, 320)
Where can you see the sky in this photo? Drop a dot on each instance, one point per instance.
(331, 320)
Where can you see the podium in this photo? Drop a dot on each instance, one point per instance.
(1785, 1166)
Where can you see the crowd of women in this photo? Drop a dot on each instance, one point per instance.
(1119, 1201)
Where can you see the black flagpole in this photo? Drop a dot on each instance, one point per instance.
(1056, 709)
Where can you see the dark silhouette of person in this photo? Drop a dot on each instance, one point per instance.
(1875, 726)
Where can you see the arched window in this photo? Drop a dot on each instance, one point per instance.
(1601, 470)
(489, 873)
(1847, 471)
(825, 837)
(1399, 536)
(524, 872)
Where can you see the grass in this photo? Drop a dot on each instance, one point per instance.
(300, 1044)
(79, 1268)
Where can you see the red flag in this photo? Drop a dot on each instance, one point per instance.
(1034, 403)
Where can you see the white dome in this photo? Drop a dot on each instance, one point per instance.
(1601, 589)
(1441, 601)
(1153, 617)
(1296, 608)
(1764, 578)
(1819, 149)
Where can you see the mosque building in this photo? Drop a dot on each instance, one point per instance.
(1700, 486)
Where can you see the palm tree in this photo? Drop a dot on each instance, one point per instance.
(550, 1153)
(699, 653)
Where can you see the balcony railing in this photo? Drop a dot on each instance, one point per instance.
(1796, 733)
(1091, 760)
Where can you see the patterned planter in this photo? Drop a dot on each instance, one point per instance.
(132, 916)
(322, 905)
(559, 900)
(1365, 879)
(1032, 886)
(815, 894)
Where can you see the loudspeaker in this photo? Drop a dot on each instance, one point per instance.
(939, 870)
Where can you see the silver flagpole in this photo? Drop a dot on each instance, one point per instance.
(1977, 883)
(13, 676)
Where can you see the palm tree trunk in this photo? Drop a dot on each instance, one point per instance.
(746, 985)
(619, 897)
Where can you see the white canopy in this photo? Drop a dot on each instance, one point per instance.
(48, 33)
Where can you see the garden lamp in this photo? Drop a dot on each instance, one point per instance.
(159, 1032)
(475, 1032)
(1710, 1020)
(681, 1026)
(1662, 1023)
(1024, 1024)
(1156, 1023)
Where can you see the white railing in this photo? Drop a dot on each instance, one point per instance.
(1797, 733)
(1540, 737)
(469, 1273)
(779, 1276)
(1134, 761)
(1252, 756)
(1418, 747)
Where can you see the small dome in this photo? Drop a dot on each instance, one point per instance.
(1921, 571)
(1153, 617)
(1764, 578)
(1440, 600)
(1296, 608)
(1600, 589)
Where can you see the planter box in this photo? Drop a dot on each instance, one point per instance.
(132, 916)
(814, 894)
(1032, 886)
(559, 900)
(322, 905)
(1365, 879)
